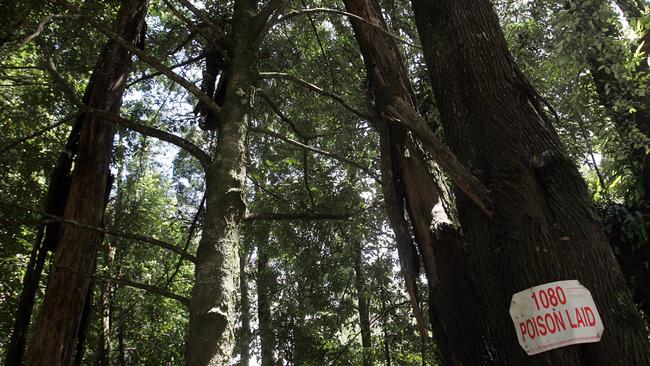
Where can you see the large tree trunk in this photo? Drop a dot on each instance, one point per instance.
(59, 321)
(363, 304)
(544, 226)
(409, 187)
(211, 329)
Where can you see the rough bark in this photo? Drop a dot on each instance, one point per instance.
(363, 306)
(211, 331)
(59, 321)
(409, 187)
(544, 227)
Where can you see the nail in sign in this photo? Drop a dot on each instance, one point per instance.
(555, 315)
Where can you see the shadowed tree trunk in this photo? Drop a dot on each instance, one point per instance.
(363, 304)
(57, 194)
(544, 226)
(245, 334)
(60, 319)
(265, 284)
(384, 325)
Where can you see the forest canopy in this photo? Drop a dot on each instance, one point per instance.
(316, 182)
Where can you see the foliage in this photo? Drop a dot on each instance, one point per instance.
(159, 189)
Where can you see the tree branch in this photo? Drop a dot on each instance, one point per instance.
(295, 13)
(195, 151)
(39, 132)
(282, 116)
(317, 89)
(306, 216)
(39, 28)
(157, 73)
(52, 219)
(149, 288)
(404, 114)
(204, 18)
(318, 151)
(145, 57)
(182, 143)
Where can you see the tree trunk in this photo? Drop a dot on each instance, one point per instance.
(265, 282)
(363, 304)
(385, 328)
(104, 343)
(57, 193)
(211, 331)
(544, 226)
(245, 307)
(83, 325)
(409, 186)
(59, 321)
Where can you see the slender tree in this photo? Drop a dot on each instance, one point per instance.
(245, 333)
(363, 305)
(265, 282)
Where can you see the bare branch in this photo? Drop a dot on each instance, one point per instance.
(271, 7)
(282, 116)
(317, 89)
(158, 73)
(50, 219)
(209, 38)
(39, 132)
(201, 15)
(195, 151)
(39, 29)
(149, 288)
(306, 216)
(182, 143)
(145, 57)
(296, 13)
(318, 151)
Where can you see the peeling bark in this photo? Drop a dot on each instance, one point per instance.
(410, 188)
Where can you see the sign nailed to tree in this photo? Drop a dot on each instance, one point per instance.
(554, 315)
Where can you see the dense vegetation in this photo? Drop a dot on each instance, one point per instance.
(319, 272)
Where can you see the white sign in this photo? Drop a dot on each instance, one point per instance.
(555, 315)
